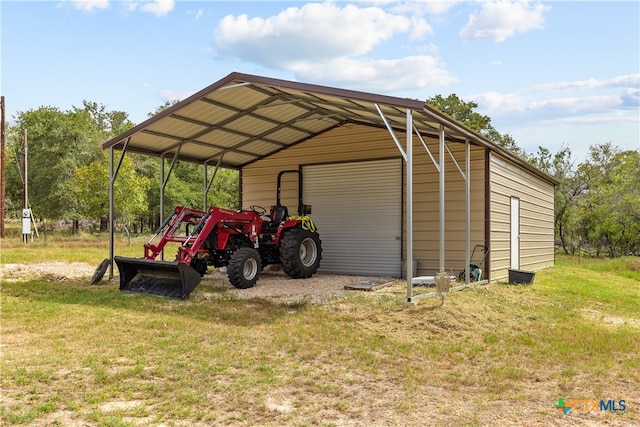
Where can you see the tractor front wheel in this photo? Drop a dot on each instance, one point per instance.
(199, 265)
(300, 253)
(244, 268)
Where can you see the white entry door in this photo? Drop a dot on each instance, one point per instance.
(515, 233)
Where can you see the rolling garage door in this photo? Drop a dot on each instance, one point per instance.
(357, 208)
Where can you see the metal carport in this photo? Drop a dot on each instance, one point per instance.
(243, 118)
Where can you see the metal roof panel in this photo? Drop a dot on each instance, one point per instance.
(249, 117)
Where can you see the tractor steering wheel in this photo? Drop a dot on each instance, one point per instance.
(258, 209)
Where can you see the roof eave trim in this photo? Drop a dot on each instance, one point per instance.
(332, 91)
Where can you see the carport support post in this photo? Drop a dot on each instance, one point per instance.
(409, 208)
(441, 197)
(204, 187)
(111, 230)
(207, 182)
(467, 211)
(113, 173)
(162, 185)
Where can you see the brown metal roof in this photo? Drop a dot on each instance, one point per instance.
(243, 118)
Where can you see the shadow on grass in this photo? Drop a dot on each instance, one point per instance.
(214, 304)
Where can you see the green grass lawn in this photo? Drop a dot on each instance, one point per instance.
(74, 354)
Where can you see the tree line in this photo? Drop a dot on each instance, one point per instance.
(597, 201)
(68, 171)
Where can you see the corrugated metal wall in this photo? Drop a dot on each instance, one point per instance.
(344, 144)
(536, 217)
(426, 206)
(360, 143)
(358, 210)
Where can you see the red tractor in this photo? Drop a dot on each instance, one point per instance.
(243, 241)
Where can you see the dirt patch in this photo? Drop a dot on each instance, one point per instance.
(52, 271)
(273, 284)
(277, 286)
(120, 405)
(610, 320)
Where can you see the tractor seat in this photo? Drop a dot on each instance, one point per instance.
(278, 214)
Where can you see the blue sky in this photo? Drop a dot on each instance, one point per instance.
(548, 73)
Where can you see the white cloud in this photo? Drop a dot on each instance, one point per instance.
(173, 95)
(90, 5)
(631, 80)
(630, 98)
(592, 101)
(496, 103)
(549, 122)
(129, 6)
(430, 7)
(516, 108)
(314, 32)
(379, 75)
(419, 28)
(197, 14)
(324, 42)
(574, 105)
(600, 120)
(501, 20)
(158, 7)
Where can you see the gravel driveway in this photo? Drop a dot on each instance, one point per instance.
(273, 285)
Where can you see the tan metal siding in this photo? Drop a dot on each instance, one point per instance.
(426, 206)
(536, 217)
(360, 143)
(344, 144)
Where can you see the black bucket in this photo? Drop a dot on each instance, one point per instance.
(521, 277)
(165, 278)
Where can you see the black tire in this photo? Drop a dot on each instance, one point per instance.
(244, 268)
(199, 265)
(300, 253)
(99, 273)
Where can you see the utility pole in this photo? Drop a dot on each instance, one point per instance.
(26, 212)
(3, 161)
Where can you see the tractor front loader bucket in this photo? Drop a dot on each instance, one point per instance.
(165, 278)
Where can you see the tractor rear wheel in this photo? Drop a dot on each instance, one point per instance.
(300, 253)
(244, 268)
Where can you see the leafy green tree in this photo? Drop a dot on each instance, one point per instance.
(570, 189)
(57, 143)
(91, 185)
(163, 107)
(596, 204)
(465, 113)
(609, 211)
(13, 171)
(110, 123)
(185, 187)
(224, 191)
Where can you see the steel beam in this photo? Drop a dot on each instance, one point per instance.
(113, 174)
(409, 207)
